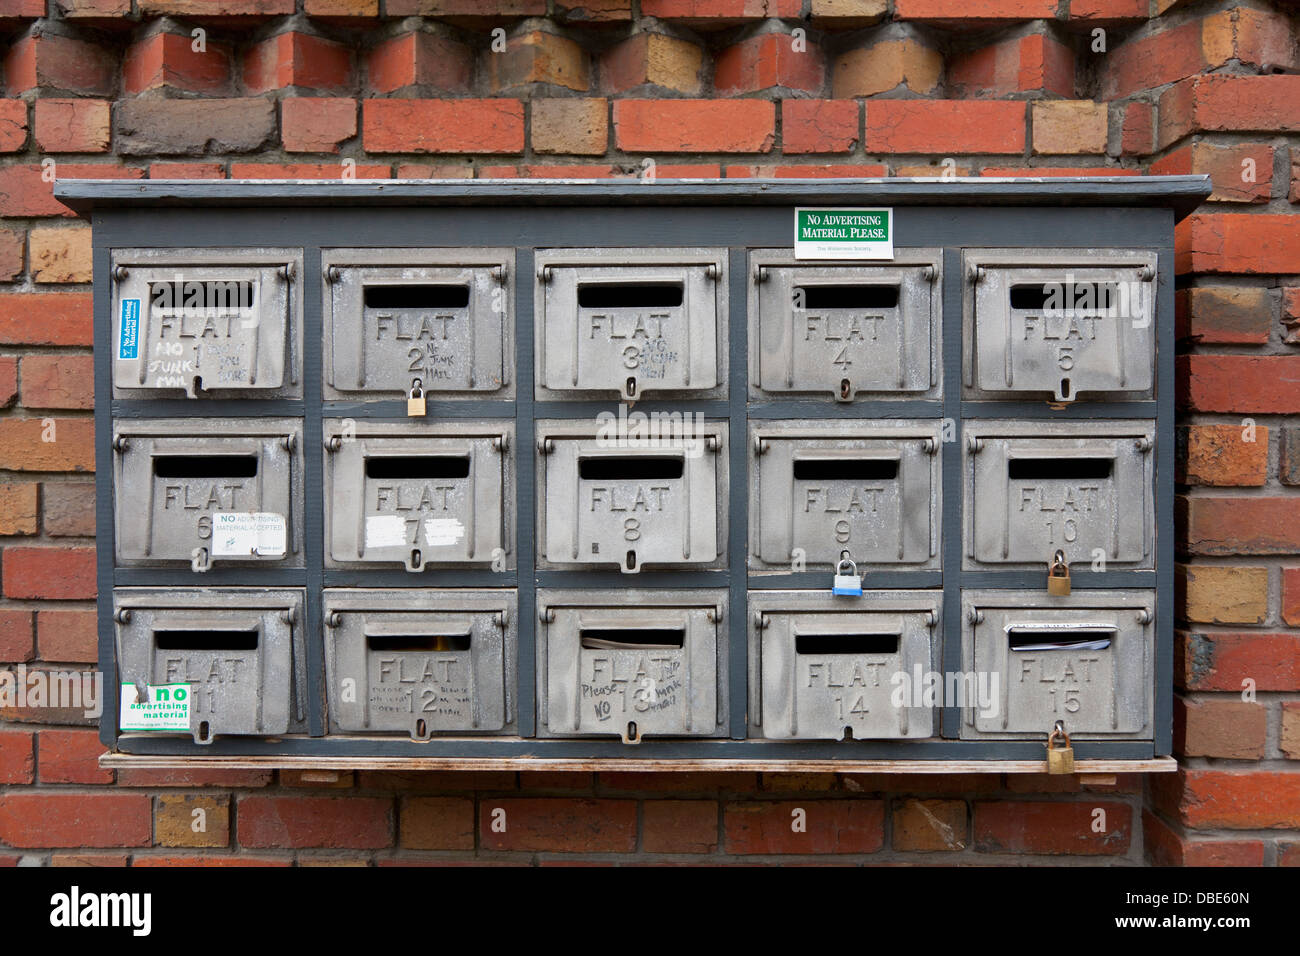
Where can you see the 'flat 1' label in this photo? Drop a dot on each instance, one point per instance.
(128, 344)
(237, 534)
(166, 707)
(844, 233)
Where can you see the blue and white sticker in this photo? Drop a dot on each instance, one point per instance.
(128, 345)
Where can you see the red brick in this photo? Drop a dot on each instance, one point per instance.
(216, 8)
(1137, 130)
(12, 261)
(947, 784)
(68, 509)
(1167, 847)
(1291, 597)
(17, 508)
(1238, 242)
(1223, 661)
(8, 381)
(51, 574)
(187, 171)
(71, 756)
(689, 126)
(22, 9)
(1034, 63)
(717, 13)
(297, 59)
(832, 826)
(559, 825)
(13, 126)
(805, 171)
(1109, 10)
(1052, 828)
(24, 193)
(819, 126)
(652, 59)
(1288, 853)
(336, 170)
(767, 61)
(678, 782)
(443, 126)
(975, 9)
(679, 826)
(1229, 729)
(1224, 315)
(1230, 525)
(1229, 799)
(173, 862)
(1220, 104)
(23, 446)
(437, 823)
(93, 820)
(1239, 383)
(424, 781)
(1222, 455)
(1238, 173)
(539, 57)
(317, 124)
(16, 644)
(17, 757)
(945, 126)
(72, 126)
(239, 779)
(420, 58)
(1153, 60)
(67, 636)
(169, 61)
(58, 381)
(555, 780)
(61, 63)
(355, 823)
(594, 11)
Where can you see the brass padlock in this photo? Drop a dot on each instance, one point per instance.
(1058, 575)
(1060, 759)
(415, 407)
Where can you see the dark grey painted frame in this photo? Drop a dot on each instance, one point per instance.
(1121, 212)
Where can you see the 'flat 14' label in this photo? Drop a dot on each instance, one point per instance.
(240, 534)
(844, 233)
(165, 707)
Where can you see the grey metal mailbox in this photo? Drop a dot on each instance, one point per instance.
(1084, 488)
(824, 491)
(627, 323)
(420, 662)
(1086, 660)
(845, 330)
(1061, 322)
(210, 323)
(393, 317)
(418, 494)
(239, 650)
(632, 504)
(228, 492)
(842, 669)
(649, 664)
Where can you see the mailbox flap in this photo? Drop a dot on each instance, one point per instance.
(206, 323)
(449, 628)
(442, 316)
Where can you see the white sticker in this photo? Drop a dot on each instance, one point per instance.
(443, 531)
(385, 531)
(843, 233)
(166, 707)
(238, 534)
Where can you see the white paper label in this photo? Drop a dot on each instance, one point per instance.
(439, 532)
(166, 707)
(238, 534)
(385, 531)
(843, 233)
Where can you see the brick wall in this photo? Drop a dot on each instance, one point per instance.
(711, 88)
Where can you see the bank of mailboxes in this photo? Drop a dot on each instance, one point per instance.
(439, 494)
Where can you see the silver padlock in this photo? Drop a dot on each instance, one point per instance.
(847, 584)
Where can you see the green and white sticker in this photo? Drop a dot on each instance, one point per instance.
(844, 233)
(167, 707)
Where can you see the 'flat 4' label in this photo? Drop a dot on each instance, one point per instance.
(240, 534)
(165, 707)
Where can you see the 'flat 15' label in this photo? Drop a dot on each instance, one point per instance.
(844, 234)
(165, 707)
(128, 346)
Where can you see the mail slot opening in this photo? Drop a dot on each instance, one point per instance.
(629, 468)
(822, 644)
(205, 466)
(1064, 297)
(846, 297)
(630, 295)
(417, 468)
(1056, 640)
(1059, 469)
(846, 469)
(417, 643)
(209, 295)
(416, 296)
(632, 638)
(205, 640)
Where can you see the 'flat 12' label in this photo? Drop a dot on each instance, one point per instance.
(844, 233)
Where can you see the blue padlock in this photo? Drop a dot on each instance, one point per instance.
(847, 585)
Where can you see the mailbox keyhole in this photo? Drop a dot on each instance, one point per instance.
(848, 733)
(631, 386)
(205, 733)
(1065, 389)
(421, 728)
(417, 559)
(631, 560)
(845, 388)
